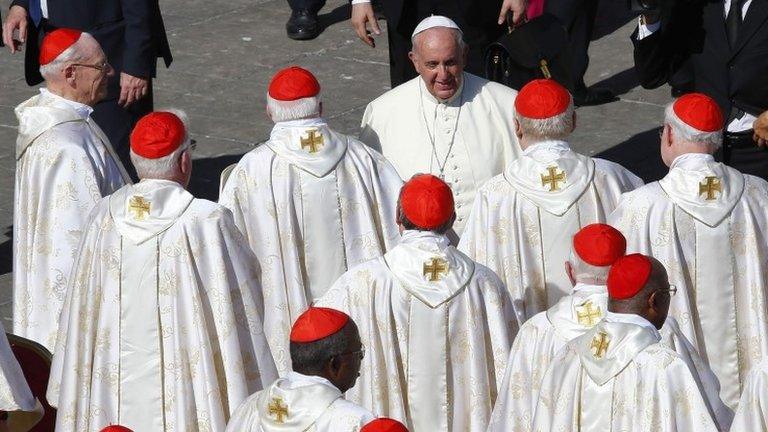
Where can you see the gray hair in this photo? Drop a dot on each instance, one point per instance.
(311, 357)
(73, 54)
(588, 273)
(303, 108)
(552, 128)
(688, 133)
(165, 167)
(457, 34)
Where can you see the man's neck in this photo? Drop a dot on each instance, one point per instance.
(67, 93)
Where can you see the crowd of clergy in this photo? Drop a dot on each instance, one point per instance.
(458, 268)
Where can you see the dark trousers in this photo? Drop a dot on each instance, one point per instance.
(313, 5)
(578, 17)
(740, 151)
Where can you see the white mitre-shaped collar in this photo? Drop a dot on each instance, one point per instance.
(575, 314)
(294, 402)
(705, 189)
(551, 175)
(148, 208)
(428, 267)
(308, 144)
(607, 348)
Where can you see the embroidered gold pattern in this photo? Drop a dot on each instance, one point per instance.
(278, 409)
(312, 141)
(600, 344)
(435, 268)
(709, 187)
(552, 178)
(587, 315)
(139, 207)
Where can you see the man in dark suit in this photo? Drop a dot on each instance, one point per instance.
(132, 34)
(724, 42)
(482, 22)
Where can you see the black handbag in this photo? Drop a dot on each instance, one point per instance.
(534, 49)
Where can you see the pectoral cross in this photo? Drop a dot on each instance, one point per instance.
(553, 178)
(435, 268)
(313, 140)
(709, 187)
(278, 409)
(600, 344)
(587, 316)
(139, 207)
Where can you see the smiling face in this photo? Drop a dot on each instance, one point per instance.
(440, 59)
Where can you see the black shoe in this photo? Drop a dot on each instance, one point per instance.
(302, 25)
(593, 96)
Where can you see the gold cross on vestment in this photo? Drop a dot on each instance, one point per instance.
(553, 177)
(313, 140)
(139, 207)
(588, 316)
(600, 344)
(278, 409)
(435, 268)
(709, 187)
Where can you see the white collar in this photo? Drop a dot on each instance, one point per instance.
(692, 160)
(553, 146)
(302, 123)
(296, 379)
(579, 287)
(82, 110)
(631, 319)
(435, 101)
(438, 242)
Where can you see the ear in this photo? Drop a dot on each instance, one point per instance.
(186, 163)
(518, 130)
(670, 134)
(69, 73)
(414, 59)
(570, 272)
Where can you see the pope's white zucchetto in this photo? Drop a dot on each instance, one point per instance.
(435, 21)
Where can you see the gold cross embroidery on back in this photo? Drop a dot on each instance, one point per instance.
(587, 315)
(709, 186)
(138, 207)
(278, 409)
(312, 141)
(435, 268)
(553, 178)
(600, 344)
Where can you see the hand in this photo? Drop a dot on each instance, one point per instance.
(16, 20)
(132, 89)
(651, 18)
(761, 130)
(362, 14)
(517, 7)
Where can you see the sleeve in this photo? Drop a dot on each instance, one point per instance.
(368, 134)
(22, 3)
(138, 54)
(473, 238)
(752, 413)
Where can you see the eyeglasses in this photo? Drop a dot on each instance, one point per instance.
(672, 290)
(104, 66)
(360, 353)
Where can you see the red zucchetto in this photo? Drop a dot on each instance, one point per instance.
(628, 275)
(116, 428)
(293, 83)
(157, 135)
(317, 323)
(384, 425)
(427, 201)
(599, 244)
(699, 111)
(56, 42)
(541, 99)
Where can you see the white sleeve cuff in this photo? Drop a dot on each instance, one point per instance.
(643, 31)
(354, 2)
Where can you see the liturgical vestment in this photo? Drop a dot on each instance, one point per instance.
(15, 395)
(299, 402)
(162, 325)
(64, 165)
(437, 328)
(618, 377)
(466, 140)
(707, 224)
(543, 336)
(312, 203)
(523, 220)
(752, 414)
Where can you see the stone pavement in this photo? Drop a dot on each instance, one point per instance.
(225, 53)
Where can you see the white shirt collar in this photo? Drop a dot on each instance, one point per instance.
(692, 160)
(631, 319)
(302, 123)
(551, 145)
(82, 110)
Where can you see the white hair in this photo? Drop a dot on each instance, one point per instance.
(73, 54)
(457, 34)
(588, 273)
(552, 128)
(168, 166)
(298, 109)
(690, 134)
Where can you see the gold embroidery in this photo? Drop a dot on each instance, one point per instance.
(313, 140)
(600, 344)
(435, 268)
(553, 178)
(139, 207)
(278, 409)
(587, 316)
(709, 187)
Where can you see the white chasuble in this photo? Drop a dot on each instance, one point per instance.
(618, 377)
(64, 165)
(299, 403)
(752, 414)
(523, 221)
(467, 139)
(437, 328)
(162, 325)
(311, 203)
(706, 222)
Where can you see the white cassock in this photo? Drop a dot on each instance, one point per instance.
(618, 377)
(468, 138)
(299, 403)
(543, 336)
(310, 216)
(752, 414)
(435, 350)
(523, 220)
(64, 165)
(162, 326)
(715, 253)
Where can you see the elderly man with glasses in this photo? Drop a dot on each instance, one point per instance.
(64, 165)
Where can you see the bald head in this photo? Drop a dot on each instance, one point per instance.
(439, 56)
(652, 301)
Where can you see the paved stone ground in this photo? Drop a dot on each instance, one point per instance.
(225, 53)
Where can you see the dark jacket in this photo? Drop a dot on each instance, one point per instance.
(404, 15)
(695, 30)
